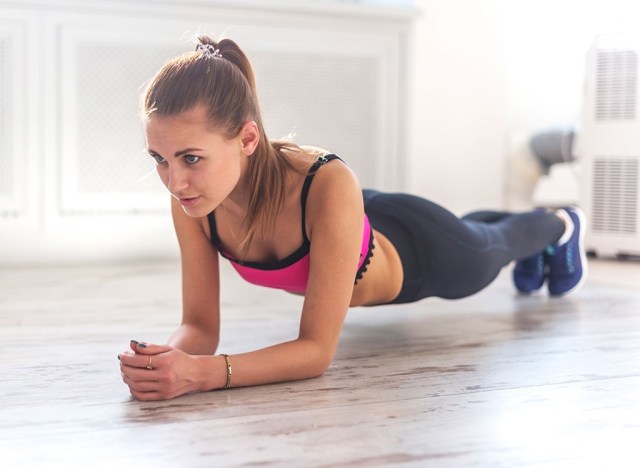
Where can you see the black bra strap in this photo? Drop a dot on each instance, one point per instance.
(211, 217)
(322, 160)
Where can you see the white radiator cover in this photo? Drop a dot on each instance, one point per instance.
(75, 184)
(609, 146)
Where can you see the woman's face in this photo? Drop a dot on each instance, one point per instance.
(200, 167)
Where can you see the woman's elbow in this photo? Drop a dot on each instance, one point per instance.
(321, 363)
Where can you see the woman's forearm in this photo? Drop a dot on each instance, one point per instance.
(293, 360)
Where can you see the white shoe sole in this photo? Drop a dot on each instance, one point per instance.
(583, 253)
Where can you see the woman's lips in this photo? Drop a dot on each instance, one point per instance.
(188, 202)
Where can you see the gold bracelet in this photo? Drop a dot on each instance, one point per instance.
(228, 361)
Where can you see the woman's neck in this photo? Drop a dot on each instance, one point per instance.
(237, 202)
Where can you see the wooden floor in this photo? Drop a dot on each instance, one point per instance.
(493, 380)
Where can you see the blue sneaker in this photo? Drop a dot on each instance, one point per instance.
(529, 274)
(567, 263)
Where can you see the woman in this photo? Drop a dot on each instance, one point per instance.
(296, 219)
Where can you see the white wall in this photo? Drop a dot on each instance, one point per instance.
(484, 70)
(456, 113)
(545, 43)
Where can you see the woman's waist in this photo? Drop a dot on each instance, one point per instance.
(383, 279)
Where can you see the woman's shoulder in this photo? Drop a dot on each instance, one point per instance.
(331, 177)
(304, 156)
(335, 186)
(300, 157)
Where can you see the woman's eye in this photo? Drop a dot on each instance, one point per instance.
(191, 159)
(159, 159)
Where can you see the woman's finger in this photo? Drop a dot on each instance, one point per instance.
(139, 374)
(142, 347)
(140, 386)
(146, 396)
(148, 362)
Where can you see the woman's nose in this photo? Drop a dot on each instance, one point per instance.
(177, 180)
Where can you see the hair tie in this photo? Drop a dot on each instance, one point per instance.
(209, 50)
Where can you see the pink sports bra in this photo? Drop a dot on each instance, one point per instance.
(292, 272)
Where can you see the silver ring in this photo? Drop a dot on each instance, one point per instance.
(149, 364)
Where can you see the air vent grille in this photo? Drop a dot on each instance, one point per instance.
(615, 195)
(616, 85)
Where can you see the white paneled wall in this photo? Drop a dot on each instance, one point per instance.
(13, 89)
(75, 183)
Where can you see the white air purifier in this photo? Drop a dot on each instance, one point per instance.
(608, 146)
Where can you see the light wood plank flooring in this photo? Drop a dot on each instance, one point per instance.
(493, 380)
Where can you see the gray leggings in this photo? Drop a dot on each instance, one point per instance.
(450, 257)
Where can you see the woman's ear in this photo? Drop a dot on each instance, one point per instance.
(249, 137)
